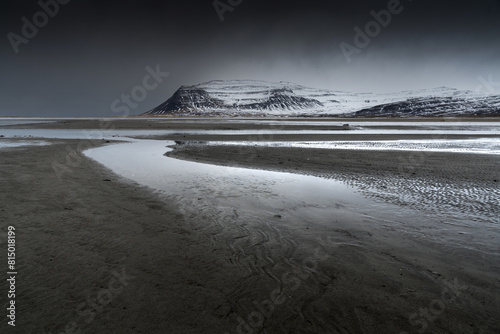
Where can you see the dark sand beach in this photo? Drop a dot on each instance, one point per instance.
(98, 253)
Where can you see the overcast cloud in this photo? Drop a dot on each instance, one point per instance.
(91, 52)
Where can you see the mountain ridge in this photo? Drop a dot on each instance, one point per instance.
(286, 99)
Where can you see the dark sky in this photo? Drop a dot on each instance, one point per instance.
(89, 53)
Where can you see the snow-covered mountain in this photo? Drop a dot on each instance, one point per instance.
(261, 98)
(456, 105)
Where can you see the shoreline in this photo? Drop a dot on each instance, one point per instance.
(75, 235)
(192, 270)
(321, 162)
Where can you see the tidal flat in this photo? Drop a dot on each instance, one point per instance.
(239, 226)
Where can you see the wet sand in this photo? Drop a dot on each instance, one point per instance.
(75, 234)
(400, 172)
(182, 270)
(427, 257)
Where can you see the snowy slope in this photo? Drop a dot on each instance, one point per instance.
(261, 98)
(437, 106)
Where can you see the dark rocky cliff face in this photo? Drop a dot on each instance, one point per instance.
(444, 106)
(188, 99)
(283, 99)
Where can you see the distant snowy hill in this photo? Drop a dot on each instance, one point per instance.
(261, 98)
(458, 105)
